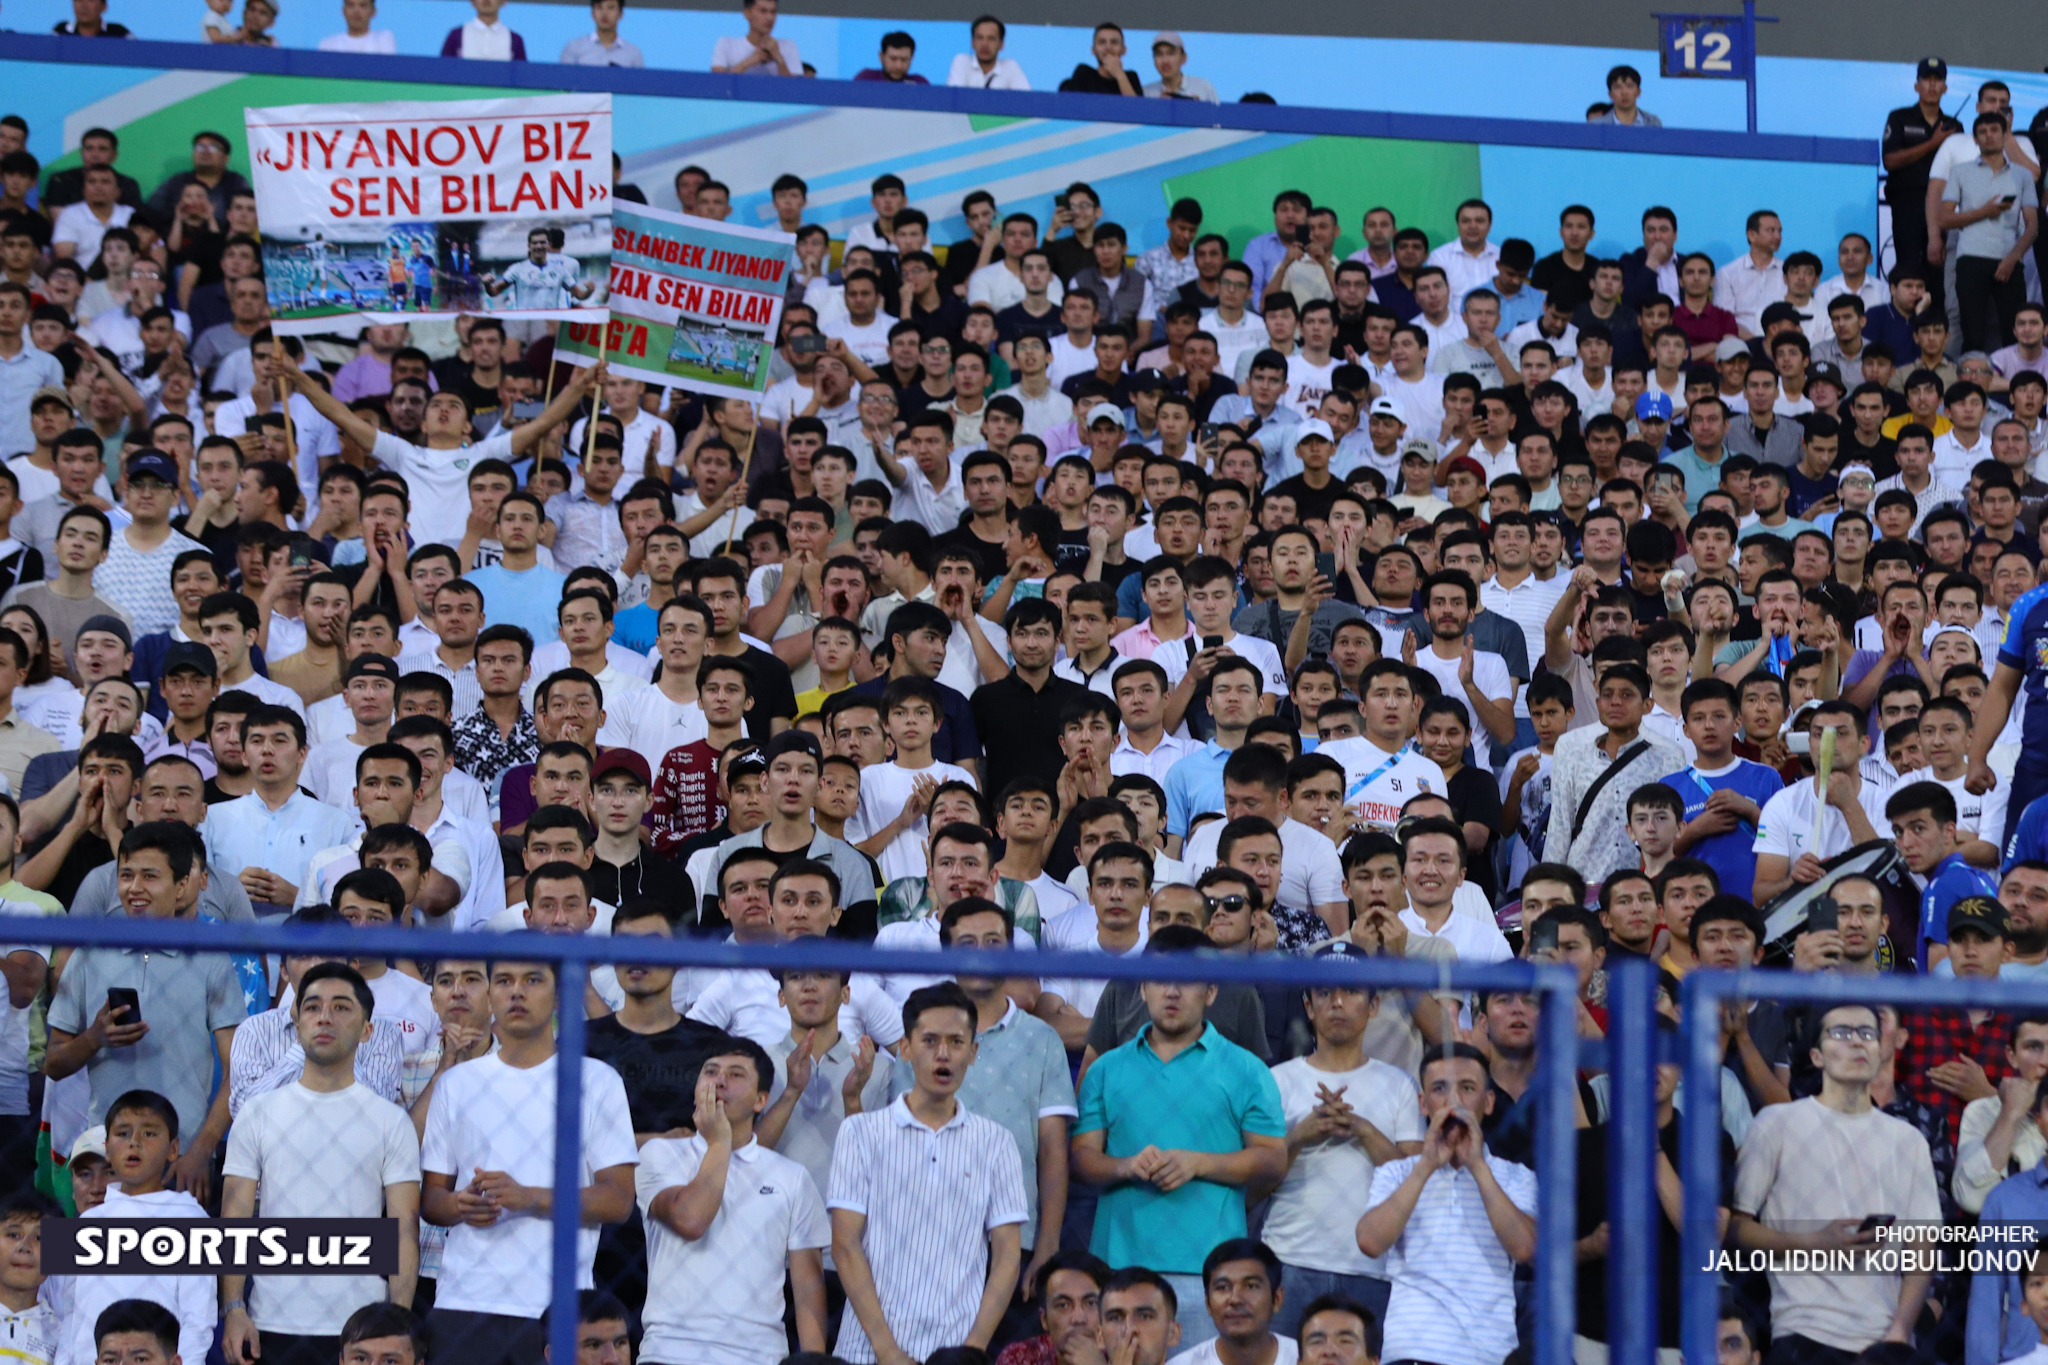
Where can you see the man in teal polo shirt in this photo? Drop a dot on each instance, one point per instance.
(1700, 462)
(1174, 1125)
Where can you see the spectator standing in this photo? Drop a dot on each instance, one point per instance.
(1595, 769)
(190, 1004)
(1624, 88)
(1169, 56)
(927, 1200)
(25, 371)
(604, 47)
(267, 837)
(1347, 1115)
(358, 36)
(485, 38)
(727, 1220)
(89, 20)
(322, 1147)
(492, 1121)
(268, 1054)
(1452, 1223)
(759, 52)
(1812, 1175)
(1994, 208)
(1019, 1077)
(1174, 1125)
(984, 66)
(1912, 136)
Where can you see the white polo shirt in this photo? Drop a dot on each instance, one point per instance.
(1310, 872)
(718, 1300)
(1453, 1300)
(748, 1003)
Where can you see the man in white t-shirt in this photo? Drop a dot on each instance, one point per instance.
(1241, 1289)
(1785, 847)
(492, 1125)
(758, 52)
(865, 328)
(325, 1146)
(437, 473)
(1211, 598)
(727, 1220)
(1352, 1114)
(1311, 878)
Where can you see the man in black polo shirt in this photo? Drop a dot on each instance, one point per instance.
(1912, 135)
(1020, 714)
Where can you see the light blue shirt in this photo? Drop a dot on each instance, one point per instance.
(20, 377)
(1193, 785)
(245, 833)
(1524, 305)
(1263, 254)
(522, 597)
(1235, 409)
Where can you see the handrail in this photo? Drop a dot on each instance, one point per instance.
(1270, 118)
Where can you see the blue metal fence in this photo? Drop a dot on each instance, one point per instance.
(1555, 986)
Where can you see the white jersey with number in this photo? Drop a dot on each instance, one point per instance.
(1377, 784)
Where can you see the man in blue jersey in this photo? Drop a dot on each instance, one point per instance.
(1723, 795)
(1923, 820)
(2022, 662)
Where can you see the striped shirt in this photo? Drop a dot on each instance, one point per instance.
(930, 1198)
(1528, 604)
(266, 1056)
(469, 694)
(1454, 1286)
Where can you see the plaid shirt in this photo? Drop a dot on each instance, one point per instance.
(485, 754)
(1937, 1036)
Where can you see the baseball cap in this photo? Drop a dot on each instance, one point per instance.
(1981, 913)
(1782, 312)
(795, 742)
(1169, 38)
(1932, 69)
(364, 665)
(155, 464)
(1314, 426)
(1105, 412)
(1653, 406)
(1826, 370)
(1341, 947)
(105, 624)
(1731, 347)
(193, 655)
(91, 1142)
(1147, 381)
(1389, 407)
(54, 394)
(621, 761)
(744, 762)
(1468, 465)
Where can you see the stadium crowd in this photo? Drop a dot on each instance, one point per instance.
(1068, 592)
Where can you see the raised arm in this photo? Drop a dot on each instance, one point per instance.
(556, 412)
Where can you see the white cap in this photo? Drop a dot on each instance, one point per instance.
(1314, 426)
(1388, 407)
(91, 1142)
(1105, 412)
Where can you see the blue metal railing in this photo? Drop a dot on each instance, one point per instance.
(1270, 118)
(1555, 986)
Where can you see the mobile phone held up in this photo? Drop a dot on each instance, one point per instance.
(124, 1005)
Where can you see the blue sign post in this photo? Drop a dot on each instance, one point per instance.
(1716, 47)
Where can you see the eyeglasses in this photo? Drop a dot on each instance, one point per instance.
(940, 349)
(1852, 1033)
(1227, 905)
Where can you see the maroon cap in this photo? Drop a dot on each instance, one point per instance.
(621, 760)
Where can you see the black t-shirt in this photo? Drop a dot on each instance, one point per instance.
(1087, 80)
(659, 1069)
(1016, 320)
(1308, 502)
(1070, 552)
(774, 695)
(1476, 800)
(990, 553)
(1592, 1212)
(1883, 457)
(1556, 278)
(1119, 394)
(1069, 258)
(89, 851)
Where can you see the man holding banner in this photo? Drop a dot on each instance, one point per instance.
(437, 472)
